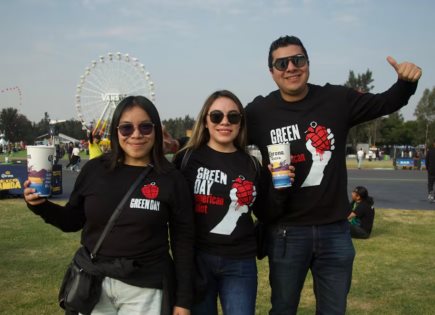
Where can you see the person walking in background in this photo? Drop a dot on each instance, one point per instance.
(430, 167)
(313, 233)
(225, 184)
(360, 157)
(135, 255)
(75, 159)
(94, 146)
(362, 213)
(69, 151)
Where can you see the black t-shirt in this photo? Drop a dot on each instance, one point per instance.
(224, 188)
(365, 214)
(141, 230)
(316, 128)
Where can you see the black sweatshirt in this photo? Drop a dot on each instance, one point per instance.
(316, 128)
(365, 213)
(141, 231)
(226, 189)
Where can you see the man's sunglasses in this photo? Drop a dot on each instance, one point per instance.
(145, 129)
(298, 61)
(217, 116)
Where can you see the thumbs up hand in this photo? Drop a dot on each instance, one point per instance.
(406, 71)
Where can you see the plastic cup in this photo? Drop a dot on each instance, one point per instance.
(40, 168)
(279, 157)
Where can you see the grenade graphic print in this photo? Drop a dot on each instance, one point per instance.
(242, 196)
(319, 141)
(244, 191)
(319, 137)
(150, 191)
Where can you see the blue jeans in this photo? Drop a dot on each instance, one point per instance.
(234, 281)
(327, 250)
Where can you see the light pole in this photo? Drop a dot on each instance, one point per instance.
(54, 133)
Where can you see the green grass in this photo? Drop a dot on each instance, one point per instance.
(352, 163)
(393, 270)
(22, 155)
(33, 258)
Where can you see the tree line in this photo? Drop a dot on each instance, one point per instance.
(384, 131)
(393, 129)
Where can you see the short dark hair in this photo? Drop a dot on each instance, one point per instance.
(161, 164)
(285, 41)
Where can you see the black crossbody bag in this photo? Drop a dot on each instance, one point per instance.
(80, 290)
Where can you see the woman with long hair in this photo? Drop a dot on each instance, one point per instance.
(134, 257)
(224, 182)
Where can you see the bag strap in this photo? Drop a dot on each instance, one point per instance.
(257, 166)
(185, 159)
(118, 209)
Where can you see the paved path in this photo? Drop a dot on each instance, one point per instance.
(398, 189)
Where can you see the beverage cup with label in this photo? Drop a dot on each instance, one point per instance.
(279, 157)
(40, 168)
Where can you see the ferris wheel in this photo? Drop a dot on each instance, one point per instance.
(9, 90)
(104, 84)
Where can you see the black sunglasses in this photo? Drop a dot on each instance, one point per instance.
(298, 61)
(217, 116)
(145, 129)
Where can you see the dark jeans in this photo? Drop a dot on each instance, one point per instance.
(430, 183)
(327, 250)
(234, 281)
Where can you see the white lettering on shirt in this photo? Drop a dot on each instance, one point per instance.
(285, 134)
(205, 179)
(147, 204)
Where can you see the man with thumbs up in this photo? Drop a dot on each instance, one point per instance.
(312, 232)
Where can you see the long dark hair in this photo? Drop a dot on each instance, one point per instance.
(117, 156)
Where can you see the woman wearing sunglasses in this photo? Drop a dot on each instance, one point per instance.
(134, 256)
(223, 180)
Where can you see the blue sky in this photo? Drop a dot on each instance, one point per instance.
(194, 47)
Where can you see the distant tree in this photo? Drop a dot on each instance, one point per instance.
(177, 127)
(392, 129)
(409, 134)
(425, 113)
(72, 128)
(369, 131)
(25, 130)
(361, 83)
(8, 117)
(43, 126)
(15, 125)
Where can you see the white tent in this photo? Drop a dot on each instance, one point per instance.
(63, 138)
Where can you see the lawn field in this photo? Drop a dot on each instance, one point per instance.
(393, 270)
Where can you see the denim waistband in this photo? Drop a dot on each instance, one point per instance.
(286, 226)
